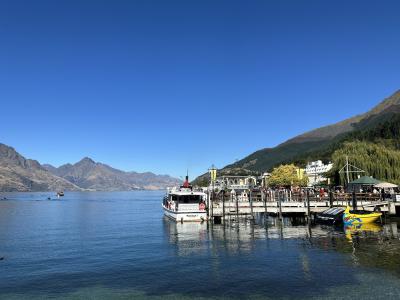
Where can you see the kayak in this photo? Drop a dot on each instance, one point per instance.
(359, 216)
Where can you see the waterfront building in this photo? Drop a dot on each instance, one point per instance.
(237, 186)
(316, 170)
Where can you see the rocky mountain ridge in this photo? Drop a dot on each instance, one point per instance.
(18, 173)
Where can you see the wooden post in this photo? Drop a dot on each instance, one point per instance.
(280, 205)
(251, 204)
(264, 198)
(237, 208)
(330, 198)
(354, 198)
(223, 206)
(308, 203)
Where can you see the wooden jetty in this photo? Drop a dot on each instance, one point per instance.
(284, 203)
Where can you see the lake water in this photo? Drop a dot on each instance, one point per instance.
(119, 246)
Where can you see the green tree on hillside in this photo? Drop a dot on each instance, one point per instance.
(376, 160)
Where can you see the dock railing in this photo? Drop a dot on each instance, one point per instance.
(288, 196)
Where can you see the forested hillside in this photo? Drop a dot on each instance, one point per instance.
(372, 142)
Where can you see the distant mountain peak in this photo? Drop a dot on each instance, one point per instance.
(91, 175)
(7, 151)
(86, 160)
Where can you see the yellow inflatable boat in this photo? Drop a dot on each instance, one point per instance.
(359, 216)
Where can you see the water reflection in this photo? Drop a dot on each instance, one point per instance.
(372, 244)
(361, 229)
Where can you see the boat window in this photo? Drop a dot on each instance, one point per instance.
(174, 197)
(189, 199)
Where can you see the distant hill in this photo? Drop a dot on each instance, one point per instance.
(20, 174)
(318, 143)
(92, 175)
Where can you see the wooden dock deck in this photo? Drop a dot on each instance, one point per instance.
(246, 207)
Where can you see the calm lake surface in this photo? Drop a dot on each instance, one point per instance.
(119, 246)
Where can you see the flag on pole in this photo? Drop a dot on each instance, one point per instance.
(213, 174)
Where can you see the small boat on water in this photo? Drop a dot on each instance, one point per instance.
(359, 216)
(331, 216)
(183, 204)
(60, 194)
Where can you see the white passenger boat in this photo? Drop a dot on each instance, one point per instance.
(183, 204)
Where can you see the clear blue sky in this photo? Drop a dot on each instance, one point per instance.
(167, 85)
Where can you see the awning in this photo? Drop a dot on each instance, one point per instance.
(385, 185)
(365, 180)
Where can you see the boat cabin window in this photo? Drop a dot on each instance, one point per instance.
(189, 199)
(174, 197)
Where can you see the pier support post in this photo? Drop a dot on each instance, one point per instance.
(237, 209)
(280, 204)
(264, 198)
(251, 204)
(308, 204)
(223, 206)
(330, 198)
(354, 198)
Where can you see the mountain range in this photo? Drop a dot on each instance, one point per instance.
(20, 174)
(319, 143)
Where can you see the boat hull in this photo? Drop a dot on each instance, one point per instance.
(331, 216)
(352, 217)
(185, 216)
(360, 219)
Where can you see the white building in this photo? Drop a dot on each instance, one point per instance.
(315, 171)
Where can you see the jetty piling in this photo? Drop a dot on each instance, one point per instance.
(280, 205)
(330, 198)
(354, 199)
(223, 206)
(237, 209)
(251, 205)
(264, 199)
